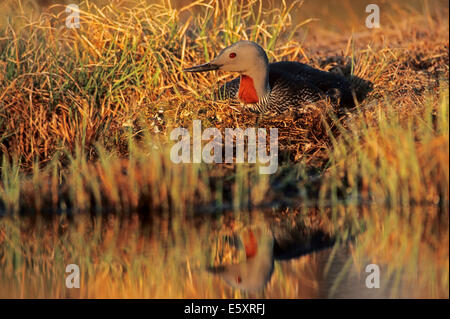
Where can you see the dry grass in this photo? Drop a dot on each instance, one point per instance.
(85, 116)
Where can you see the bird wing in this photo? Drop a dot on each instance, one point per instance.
(335, 86)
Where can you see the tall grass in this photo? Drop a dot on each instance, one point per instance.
(86, 177)
(82, 86)
(384, 161)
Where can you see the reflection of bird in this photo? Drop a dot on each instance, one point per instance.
(262, 246)
(258, 266)
(264, 86)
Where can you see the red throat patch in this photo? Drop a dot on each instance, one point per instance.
(250, 245)
(247, 92)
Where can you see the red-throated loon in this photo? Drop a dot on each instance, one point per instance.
(264, 86)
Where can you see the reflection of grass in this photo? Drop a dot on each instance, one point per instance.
(121, 259)
(84, 121)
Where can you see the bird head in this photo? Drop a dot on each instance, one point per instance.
(256, 270)
(242, 57)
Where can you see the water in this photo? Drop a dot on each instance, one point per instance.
(273, 260)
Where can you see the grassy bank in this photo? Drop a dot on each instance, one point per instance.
(85, 119)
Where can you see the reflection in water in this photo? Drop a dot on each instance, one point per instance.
(255, 271)
(262, 245)
(323, 269)
(341, 278)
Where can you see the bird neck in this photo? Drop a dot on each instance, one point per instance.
(254, 85)
(258, 247)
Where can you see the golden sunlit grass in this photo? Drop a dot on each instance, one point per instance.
(85, 118)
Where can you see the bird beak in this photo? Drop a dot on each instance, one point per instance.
(215, 269)
(203, 67)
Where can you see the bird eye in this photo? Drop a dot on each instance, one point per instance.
(232, 55)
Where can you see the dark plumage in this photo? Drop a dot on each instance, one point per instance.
(293, 85)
